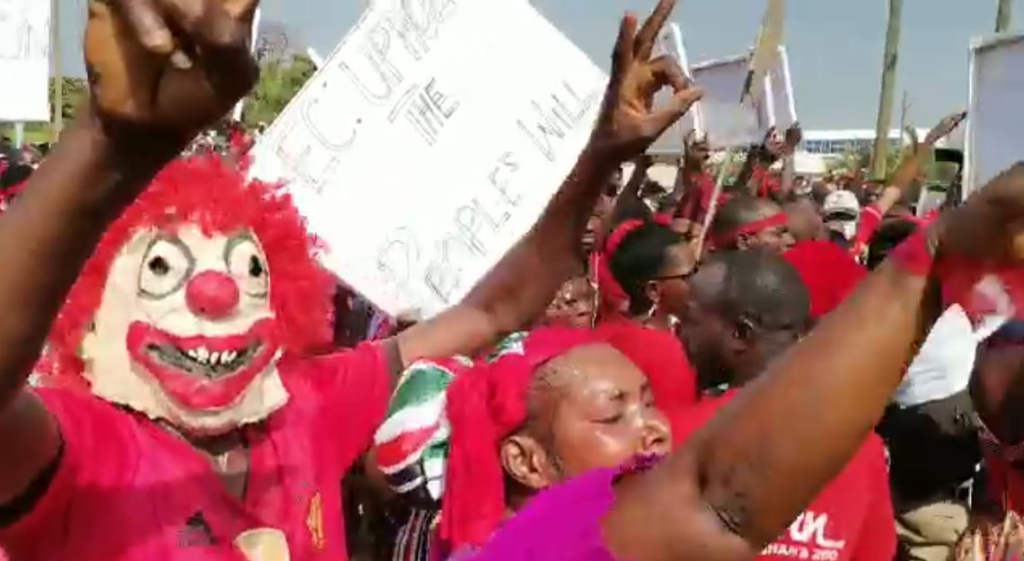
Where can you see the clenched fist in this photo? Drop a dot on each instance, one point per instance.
(173, 65)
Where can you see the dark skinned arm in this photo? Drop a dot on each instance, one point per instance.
(142, 114)
(523, 283)
(45, 239)
(911, 166)
(741, 481)
(743, 478)
(752, 160)
(629, 202)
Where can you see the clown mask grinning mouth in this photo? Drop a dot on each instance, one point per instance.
(199, 361)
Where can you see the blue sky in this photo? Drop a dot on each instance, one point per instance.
(835, 46)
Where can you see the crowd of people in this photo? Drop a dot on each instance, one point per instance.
(783, 368)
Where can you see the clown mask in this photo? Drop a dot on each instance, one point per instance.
(185, 331)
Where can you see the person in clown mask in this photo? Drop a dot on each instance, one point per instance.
(185, 417)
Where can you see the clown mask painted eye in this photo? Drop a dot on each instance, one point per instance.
(248, 266)
(166, 266)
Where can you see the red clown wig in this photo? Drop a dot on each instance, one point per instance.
(217, 198)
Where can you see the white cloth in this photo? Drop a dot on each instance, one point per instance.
(943, 365)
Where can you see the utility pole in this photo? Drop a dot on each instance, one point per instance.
(58, 75)
(892, 46)
(1004, 16)
(904, 109)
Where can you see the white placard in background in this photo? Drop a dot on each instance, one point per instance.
(670, 42)
(730, 124)
(430, 142)
(995, 114)
(782, 101)
(25, 60)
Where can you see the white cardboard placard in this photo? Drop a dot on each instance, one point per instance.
(727, 122)
(995, 113)
(25, 60)
(670, 42)
(430, 142)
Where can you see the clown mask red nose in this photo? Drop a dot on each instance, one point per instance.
(212, 294)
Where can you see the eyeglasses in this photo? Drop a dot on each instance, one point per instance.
(681, 276)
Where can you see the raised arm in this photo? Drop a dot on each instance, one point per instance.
(142, 114)
(911, 166)
(522, 284)
(752, 470)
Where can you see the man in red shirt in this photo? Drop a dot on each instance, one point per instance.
(748, 308)
(204, 430)
(747, 222)
(694, 185)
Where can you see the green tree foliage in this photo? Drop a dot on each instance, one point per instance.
(280, 79)
(75, 91)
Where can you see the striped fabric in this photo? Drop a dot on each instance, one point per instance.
(412, 444)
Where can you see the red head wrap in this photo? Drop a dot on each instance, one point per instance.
(486, 403)
(728, 239)
(828, 272)
(614, 300)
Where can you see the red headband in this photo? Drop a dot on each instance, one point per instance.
(486, 403)
(614, 299)
(728, 239)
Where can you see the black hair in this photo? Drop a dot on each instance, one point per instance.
(15, 175)
(738, 212)
(889, 235)
(762, 287)
(639, 258)
(629, 210)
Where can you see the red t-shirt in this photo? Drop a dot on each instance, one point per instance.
(867, 225)
(127, 489)
(696, 199)
(1005, 485)
(768, 184)
(850, 520)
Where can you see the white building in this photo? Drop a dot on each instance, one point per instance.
(839, 142)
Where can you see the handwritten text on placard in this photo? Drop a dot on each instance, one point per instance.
(430, 142)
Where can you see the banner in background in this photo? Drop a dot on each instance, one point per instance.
(995, 118)
(25, 60)
(730, 124)
(671, 43)
(430, 141)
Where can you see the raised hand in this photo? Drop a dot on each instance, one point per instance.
(944, 127)
(911, 134)
(175, 65)
(990, 225)
(785, 146)
(628, 122)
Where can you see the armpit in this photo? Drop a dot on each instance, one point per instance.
(23, 504)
